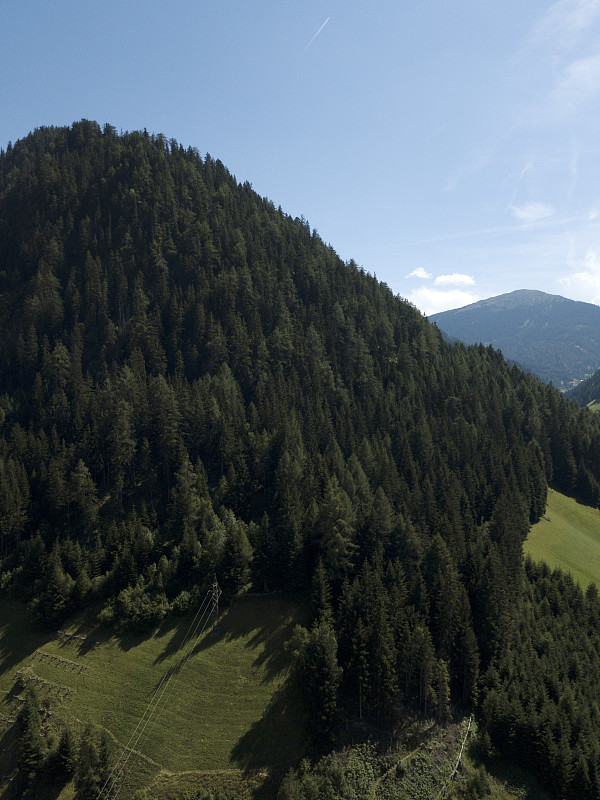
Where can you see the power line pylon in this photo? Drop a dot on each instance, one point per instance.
(216, 593)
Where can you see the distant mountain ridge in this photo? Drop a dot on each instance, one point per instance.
(553, 337)
(587, 393)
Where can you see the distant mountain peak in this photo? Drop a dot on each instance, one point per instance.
(515, 299)
(555, 338)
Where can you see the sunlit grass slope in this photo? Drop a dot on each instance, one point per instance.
(227, 706)
(568, 536)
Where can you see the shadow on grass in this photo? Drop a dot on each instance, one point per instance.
(44, 787)
(18, 639)
(128, 639)
(8, 763)
(518, 779)
(84, 633)
(182, 628)
(85, 636)
(163, 682)
(15, 690)
(275, 740)
(266, 622)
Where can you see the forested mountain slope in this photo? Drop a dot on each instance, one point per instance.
(193, 383)
(587, 392)
(556, 338)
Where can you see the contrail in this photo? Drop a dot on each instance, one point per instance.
(315, 36)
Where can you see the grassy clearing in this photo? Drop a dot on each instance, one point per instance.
(568, 536)
(225, 715)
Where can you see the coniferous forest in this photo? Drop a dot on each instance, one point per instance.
(194, 384)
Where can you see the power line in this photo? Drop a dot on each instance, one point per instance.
(113, 785)
(208, 607)
(175, 671)
(169, 677)
(113, 778)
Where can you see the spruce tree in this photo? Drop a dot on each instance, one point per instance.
(30, 740)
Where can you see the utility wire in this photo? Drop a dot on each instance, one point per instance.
(170, 673)
(121, 762)
(111, 783)
(117, 785)
(113, 780)
(176, 671)
(216, 593)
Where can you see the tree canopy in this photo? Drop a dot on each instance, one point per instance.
(194, 383)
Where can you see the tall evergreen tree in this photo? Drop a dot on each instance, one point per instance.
(30, 741)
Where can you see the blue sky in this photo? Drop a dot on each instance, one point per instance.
(452, 149)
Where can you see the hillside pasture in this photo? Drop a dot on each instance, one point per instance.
(568, 537)
(224, 710)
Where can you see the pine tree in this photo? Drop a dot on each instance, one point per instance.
(442, 585)
(316, 657)
(336, 526)
(54, 602)
(321, 594)
(30, 740)
(87, 782)
(261, 539)
(67, 753)
(440, 702)
(84, 496)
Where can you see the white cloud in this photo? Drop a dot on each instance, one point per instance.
(580, 82)
(419, 272)
(430, 301)
(563, 52)
(586, 282)
(528, 166)
(564, 22)
(533, 211)
(456, 279)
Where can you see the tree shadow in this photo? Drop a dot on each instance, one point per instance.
(84, 632)
(268, 744)
(8, 763)
(517, 778)
(16, 689)
(267, 622)
(127, 640)
(43, 787)
(269, 787)
(18, 640)
(171, 672)
(183, 630)
(84, 637)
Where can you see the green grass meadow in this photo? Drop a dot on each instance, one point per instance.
(568, 536)
(224, 710)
